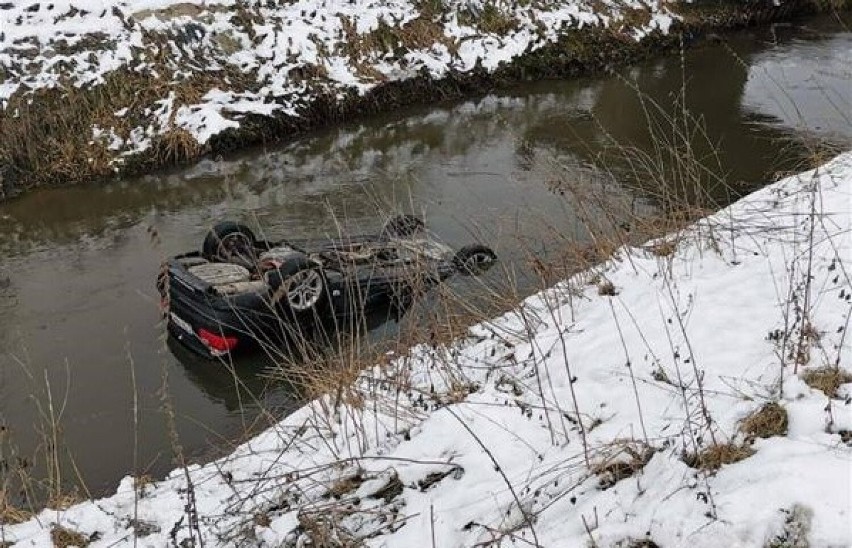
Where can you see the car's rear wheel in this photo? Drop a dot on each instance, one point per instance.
(403, 226)
(298, 283)
(303, 290)
(474, 259)
(230, 242)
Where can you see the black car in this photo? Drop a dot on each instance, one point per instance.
(241, 292)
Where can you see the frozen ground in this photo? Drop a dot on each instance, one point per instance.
(573, 420)
(206, 65)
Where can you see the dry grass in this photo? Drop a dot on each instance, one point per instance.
(345, 485)
(421, 32)
(308, 72)
(63, 537)
(607, 289)
(9, 513)
(50, 140)
(262, 520)
(64, 500)
(624, 459)
(664, 248)
(390, 490)
(322, 528)
(616, 469)
(141, 484)
(768, 421)
(636, 543)
(636, 17)
(331, 374)
(827, 379)
(715, 456)
(493, 20)
(176, 146)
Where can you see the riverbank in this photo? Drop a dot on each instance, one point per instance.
(688, 392)
(93, 91)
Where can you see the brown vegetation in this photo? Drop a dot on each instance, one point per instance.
(828, 379)
(629, 458)
(50, 140)
(63, 537)
(768, 421)
(716, 455)
(10, 514)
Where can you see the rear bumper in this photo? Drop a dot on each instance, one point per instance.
(190, 306)
(186, 317)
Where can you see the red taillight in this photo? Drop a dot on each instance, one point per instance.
(217, 343)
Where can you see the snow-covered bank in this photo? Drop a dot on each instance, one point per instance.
(90, 88)
(272, 57)
(571, 420)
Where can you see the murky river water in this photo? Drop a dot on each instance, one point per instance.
(78, 308)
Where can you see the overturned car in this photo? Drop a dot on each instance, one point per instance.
(241, 292)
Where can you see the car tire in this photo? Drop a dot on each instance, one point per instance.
(298, 284)
(230, 242)
(403, 226)
(474, 259)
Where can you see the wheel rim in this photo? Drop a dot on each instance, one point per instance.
(303, 289)
(478, 259)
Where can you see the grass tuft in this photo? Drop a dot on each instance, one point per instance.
(346, 485)
(262, 519)
(494, 21)
(717, 455)
(324, 529)
(768, 421)
(664, 248)
(629, 459)
(64, 500)
(63, 537)
(827, 379)
(607, 289)
(9, 513)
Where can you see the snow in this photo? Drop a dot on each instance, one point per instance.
(497, 436)
(81, 43)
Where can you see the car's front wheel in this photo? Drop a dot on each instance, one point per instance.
(474, 259)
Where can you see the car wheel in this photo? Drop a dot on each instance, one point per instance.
(299, 283)
(230, 242)
(403, 226)
(474, 259)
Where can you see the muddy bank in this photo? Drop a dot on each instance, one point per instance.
(131, 120)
